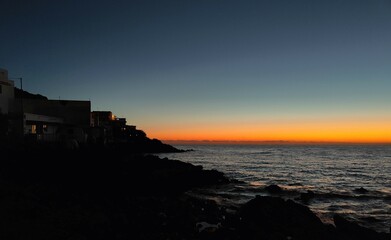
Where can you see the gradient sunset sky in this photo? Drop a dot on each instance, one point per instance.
(212, 70)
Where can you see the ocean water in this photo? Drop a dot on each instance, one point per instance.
(332, 172)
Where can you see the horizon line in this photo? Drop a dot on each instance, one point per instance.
(270, 142)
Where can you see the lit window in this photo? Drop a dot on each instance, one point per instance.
(33, 129)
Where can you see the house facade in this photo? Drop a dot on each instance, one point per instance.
(37, 118)
(56, 120)
(6, 92)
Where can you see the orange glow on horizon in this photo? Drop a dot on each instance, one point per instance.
(347, 131)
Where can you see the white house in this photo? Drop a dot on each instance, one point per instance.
(6, 91)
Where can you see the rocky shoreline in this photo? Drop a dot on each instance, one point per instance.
(116, 194)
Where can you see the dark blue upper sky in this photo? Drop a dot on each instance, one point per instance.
(200, 61)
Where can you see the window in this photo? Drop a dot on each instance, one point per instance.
(1, 89)
(33, 129)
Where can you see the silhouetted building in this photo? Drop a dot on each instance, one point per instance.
(56, 120)
(121, 121)
(102, 118)
(107, 128)
(72, 112)
(105, 125)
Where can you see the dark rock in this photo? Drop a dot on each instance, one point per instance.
(101, 194)
(273, 189)
(350, 230)
(272, 216)
(361, 190)
(26, 95)
(306, 197)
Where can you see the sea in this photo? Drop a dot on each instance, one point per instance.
(332, 172)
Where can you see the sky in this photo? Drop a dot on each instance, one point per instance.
(265, 70)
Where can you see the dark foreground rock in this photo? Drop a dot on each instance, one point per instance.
(101, 194)
(275, 218)
(109, 194)
(350, 230)
(360, 190)
(273, 189)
